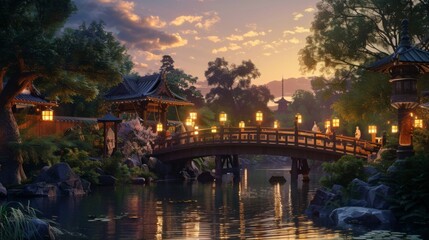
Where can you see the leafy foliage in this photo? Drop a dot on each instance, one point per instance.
(411, 194)
(421, 140)
(343, 171)
(233, 92)
(135, 139)
(16, 223)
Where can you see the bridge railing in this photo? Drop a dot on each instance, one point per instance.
(271, 136)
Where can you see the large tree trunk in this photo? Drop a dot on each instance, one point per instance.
(11, 171)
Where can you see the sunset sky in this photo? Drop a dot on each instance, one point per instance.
(194, 32)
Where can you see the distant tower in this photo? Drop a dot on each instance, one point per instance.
(282, 102)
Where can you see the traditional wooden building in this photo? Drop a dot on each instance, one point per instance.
(282, 102)
(145, 95)
(30, 97)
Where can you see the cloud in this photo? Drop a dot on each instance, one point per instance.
(301, 30)
(297, 16)
(288, 32)
(253, 34)
(185, 19)
(294, 40)
(135, 31)
(253, 43)
(218, 50)
(309, 10)
(214, 39)
(235, 38)
(211, 19)
(233, 46)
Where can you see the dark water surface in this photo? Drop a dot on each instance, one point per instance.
(251, 209)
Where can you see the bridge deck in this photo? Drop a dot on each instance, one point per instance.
(287, 142)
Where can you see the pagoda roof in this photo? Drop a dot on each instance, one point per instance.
(31, 96)
(404, 54)
(282, 100)
(147, 88)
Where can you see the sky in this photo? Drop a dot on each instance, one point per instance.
(270, 33)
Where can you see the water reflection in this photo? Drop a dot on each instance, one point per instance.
(250, 209)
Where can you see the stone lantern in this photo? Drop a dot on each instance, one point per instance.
(404, 66)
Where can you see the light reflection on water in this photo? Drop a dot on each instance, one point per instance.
(252, 209)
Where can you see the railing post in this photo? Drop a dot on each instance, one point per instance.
(296, 136)
(334, 138)
(354, 147)
(315, 140)
(258, 134)
(277, 137)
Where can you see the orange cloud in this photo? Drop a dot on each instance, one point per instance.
(185, 19)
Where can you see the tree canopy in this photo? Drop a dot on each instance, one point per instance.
(65, 62)
(233, 92)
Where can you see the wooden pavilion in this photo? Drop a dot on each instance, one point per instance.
(145, 95)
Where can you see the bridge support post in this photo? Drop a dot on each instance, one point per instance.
(225, 164)
(299, 166)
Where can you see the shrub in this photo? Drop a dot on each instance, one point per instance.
(343, 171)
(411, 193)
(17, 222)
(81, 164)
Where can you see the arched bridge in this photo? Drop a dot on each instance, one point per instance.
(261, 141)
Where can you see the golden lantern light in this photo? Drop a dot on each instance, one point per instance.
(327, 123)
(394, 128)
(159, 127)
(335, 122)
(222, 118)
(276, 124)
(298, 117)
(48, 115)
(214, 129)
(241, 124)
(418, 123)
(193, 115)
(196, 130)
(372, 129)
(189, 122)
(259, 117)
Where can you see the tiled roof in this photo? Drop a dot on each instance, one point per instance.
(134, 89)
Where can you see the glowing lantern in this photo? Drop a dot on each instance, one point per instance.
(48, 115)
(259, 117)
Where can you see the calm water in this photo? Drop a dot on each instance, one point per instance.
(252, 209)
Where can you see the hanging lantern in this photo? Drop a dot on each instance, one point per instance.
(241, 124)
(222, 118)
(335, 122)
(418, 123)
(214, 129)
(372, 129)
(196, 130)
(394, 128)
(48, 115)
(259, 117)
(327, 123)
(276, 124)
(298, 118)
(189, 122)
(159, 127)
(193, 115)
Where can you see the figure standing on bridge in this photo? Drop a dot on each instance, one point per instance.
(357, 133)
(315, 128)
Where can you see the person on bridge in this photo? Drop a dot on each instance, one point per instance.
(357, 133)
(315, 128)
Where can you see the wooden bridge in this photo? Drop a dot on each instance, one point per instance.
(227, 143)
(261, 141)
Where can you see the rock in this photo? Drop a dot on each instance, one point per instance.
(370, 170)
(138, 181)
(337, 189)
(205, 177)
(359, 188)
(377, 196)
(41, 230)
(106, 180)
(398, 164)
(71, 188)
(357, 203)
(57, 173)
(133, 161)
(277, 179)
(321, 204)
(3, 191)
(322, 197)
(347, 217)
(145, 168)
(39, 189)
(375, 179)
(86, 185)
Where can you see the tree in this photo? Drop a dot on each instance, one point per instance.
(180, 82)
(232, 90)
(304, 102)
(349, 35)
(68, 63)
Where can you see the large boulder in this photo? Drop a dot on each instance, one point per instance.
(3, 191)
(106, 180)
(322, 203)
(61, 175)
(348, 217)
(377, 196)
